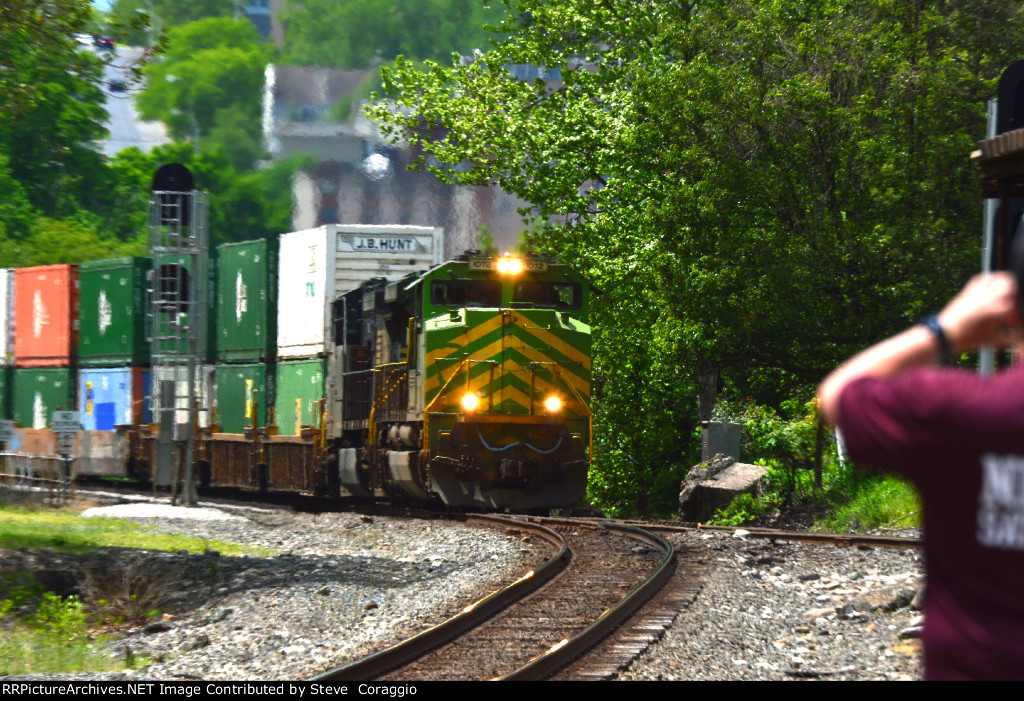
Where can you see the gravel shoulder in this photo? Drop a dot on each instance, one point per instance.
(339, 586)
(786, 611)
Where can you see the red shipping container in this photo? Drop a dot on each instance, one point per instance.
(45, 316)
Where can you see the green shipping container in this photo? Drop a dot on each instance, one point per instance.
(6, 391)
(239, 387)
(171, 278)
(38, 392)
(113, 302)
(300, 387)
(247, 301)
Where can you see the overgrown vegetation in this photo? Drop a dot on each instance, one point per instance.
(53, 638)
(847, 498)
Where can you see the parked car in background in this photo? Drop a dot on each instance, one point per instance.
(104, 43)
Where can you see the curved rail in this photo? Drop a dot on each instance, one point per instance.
(565, 652)
(471, 616)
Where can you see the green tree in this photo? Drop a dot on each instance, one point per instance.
(362, 33)
(165, 14)
(210, 80)
(51, 104)
(779, 182)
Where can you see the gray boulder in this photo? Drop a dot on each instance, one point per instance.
(713, 484)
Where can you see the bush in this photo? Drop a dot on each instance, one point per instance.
(786, 442)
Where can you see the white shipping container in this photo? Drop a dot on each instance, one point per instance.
(206, 391)
(317, 265)
(6, 317)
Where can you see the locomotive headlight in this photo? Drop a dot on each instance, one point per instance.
(470, 401)
(552, 404)
(509, 266)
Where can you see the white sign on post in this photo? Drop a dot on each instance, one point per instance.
(65, 422)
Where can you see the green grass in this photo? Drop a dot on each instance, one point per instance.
(41, 632)
(54, 639)
(875, 502)
(70, 532)
(850, 500)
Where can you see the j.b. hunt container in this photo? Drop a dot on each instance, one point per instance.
(247, 301)
(300, 387)
(317, 265)
(108, 397)
(113, 302)
(241, 388)
(45, 316)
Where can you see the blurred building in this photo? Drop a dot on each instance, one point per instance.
(358, 177)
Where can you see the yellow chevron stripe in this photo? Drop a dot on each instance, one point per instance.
(550, 339)
(510, 366)
(541, 385)
(456, 346)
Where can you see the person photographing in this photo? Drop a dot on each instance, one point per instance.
(959, 437)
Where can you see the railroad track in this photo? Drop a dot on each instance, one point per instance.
(600, 575)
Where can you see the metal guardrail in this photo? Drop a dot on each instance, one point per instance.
(26, 471)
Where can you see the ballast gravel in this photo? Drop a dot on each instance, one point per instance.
(336, 586)
(780, 610)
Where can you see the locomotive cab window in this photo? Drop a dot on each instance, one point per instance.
(549, 295)
(465, 293)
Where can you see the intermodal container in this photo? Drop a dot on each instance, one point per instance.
(317, 265)
(300, 387)
(176, 294)
(247, 301)
(108, 397)
(113, 302)
(6, 317)
(204, 391)
(241, 388)
(6, 392)
(45, 316)
(38, 392)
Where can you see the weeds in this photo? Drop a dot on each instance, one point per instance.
(848, 499)
(131, 589)
(55, 638)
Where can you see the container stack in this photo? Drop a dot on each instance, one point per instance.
(246, 333)
(113, 354)
(6, 342)
(317, 266)
(45, 343)
(174, 278)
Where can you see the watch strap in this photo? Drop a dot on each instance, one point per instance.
(931, 322)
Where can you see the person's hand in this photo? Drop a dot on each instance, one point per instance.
(983, 313)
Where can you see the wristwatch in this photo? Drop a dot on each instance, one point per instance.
(931, 322)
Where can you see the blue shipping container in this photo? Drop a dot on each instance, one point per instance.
(111, 396)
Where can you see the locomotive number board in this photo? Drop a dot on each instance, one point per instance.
(533, 266)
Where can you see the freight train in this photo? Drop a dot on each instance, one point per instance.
(343, 361)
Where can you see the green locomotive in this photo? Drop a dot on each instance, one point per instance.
(469, 383)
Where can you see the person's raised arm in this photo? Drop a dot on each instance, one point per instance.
(983, 313)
